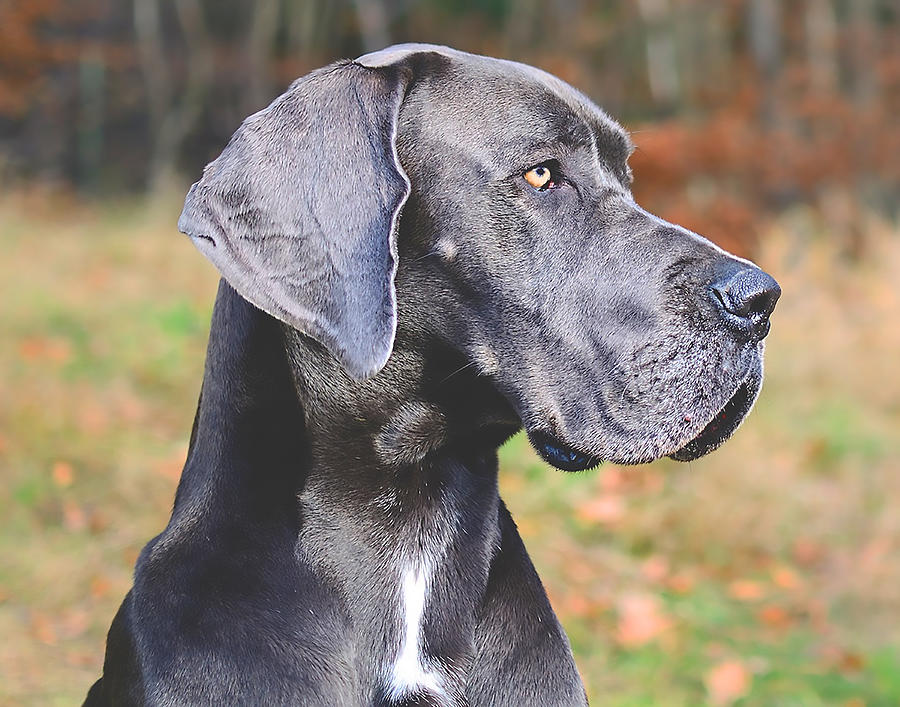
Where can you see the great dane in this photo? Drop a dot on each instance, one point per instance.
(422, 251)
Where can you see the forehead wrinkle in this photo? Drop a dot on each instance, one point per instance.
(538, 112)
(609, 143)
(592, 115)
(538, 125)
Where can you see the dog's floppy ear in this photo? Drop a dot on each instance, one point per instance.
(299, 212)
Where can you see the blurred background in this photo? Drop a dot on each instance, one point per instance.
(765, 574)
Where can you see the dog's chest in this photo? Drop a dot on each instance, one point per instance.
(411, 671)
(410, 577)
(416, 574)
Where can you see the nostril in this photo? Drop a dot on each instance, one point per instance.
(751, 294)
(720, 295)
(760, 304)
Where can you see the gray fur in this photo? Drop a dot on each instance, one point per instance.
(430, 303)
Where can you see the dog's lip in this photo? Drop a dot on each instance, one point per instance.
(559, 454)
(723, 423)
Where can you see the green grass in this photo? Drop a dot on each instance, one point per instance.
(777, 557)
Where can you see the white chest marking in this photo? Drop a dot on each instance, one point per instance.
(409, 674)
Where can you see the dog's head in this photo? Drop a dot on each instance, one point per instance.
(503, 195)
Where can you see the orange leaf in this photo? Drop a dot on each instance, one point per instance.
(641, 620)
(100, 587)
(785, 577)
(74, 517)
(655, 568)
(42, 628)
(611, 479)
(746, 590)
(681, 583)
(851, 662)
(54, 350)
(727, 682)
(774, 616)
(63, 474)
(808, 552)
(606, 509)
(74, 622)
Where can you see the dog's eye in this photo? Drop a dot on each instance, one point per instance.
(540, 177)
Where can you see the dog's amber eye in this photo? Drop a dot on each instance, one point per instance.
(539, 177)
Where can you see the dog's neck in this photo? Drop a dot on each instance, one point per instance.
(400, 503)
(383, 445)
(423, 406)
(386, 489)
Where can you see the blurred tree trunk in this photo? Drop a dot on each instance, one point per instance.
(158, 88)
(865, 91)
(310, 26)
(863, 47)
(91, 111)
(708, 55)
(821, 44)
(302, 19)
(372, 18)
(765, 44)
(662, 59)
(260, 41)
(521, 20)
(172, 117)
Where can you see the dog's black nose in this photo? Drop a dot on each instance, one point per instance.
(749, 294)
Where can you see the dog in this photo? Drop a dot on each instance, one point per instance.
(422, 252)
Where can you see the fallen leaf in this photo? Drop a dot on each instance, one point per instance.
(653, 482)
(63, 474)
(42, 628)
(655, 568)
(611, 479)
(746, 590)
(576, 605)
(681, 583)
(807, 552)
(81, 658)
(851, 662)
(774, 616)
(54, 350)
(607, 509)
(97, 521)
(100, 587)
(73, 623)
(727, 682)
(580, 572)
(131, 408)
(74, 517)
(786, 578)
(641, 620)
(93, 417)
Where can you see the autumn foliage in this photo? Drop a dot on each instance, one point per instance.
(739, 108)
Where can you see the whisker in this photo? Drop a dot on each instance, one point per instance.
(422, 257)
(462, 368)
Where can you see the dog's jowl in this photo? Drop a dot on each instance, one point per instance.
(422, 252)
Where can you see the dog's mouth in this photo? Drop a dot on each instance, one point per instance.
(559, 454)
(723, 425)
(566, 457)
